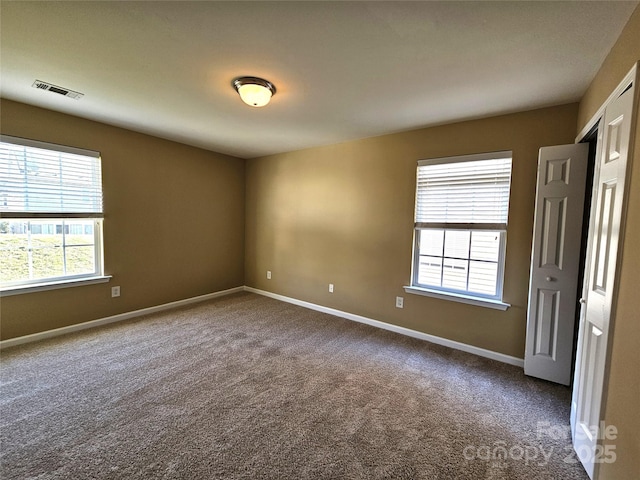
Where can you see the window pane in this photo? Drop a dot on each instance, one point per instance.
(48, 261)
(485, 245)
(431, 242)
(454, 273)
(44, 234)
(477, 275)
(79, 232)
(80, 260)
(483, 277)
(457, 243)
(14, 260)
(430, 271)
(45, 240)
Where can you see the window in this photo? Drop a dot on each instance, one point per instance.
(462, 206)
(51, 214)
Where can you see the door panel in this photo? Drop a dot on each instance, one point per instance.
(602, 251)
(547, 323)
(554, 224)
(603, 236)
(555, 261)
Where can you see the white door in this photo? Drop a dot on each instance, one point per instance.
(606, 214)
(555, 262)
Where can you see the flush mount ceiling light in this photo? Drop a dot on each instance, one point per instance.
(255, 92)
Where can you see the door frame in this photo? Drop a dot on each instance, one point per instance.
(631, 77)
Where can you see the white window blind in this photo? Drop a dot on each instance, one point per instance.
(453, 192)
(36, 180)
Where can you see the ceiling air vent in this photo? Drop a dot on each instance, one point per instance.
(55, 89)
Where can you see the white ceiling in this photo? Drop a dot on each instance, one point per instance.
(343, 70)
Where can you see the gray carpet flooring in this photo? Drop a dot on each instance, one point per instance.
(247, 387)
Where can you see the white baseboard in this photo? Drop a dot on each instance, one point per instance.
(481, 352)
(519, 362)
(115, 318)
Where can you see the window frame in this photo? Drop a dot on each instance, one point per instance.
(463, 296)
(58, 216)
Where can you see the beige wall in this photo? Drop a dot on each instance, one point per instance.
(343, 214)
(623, 391)
(173, 229)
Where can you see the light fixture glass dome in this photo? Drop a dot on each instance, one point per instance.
(255, 92)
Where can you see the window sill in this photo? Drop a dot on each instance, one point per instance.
(40, 287)
(454, 297)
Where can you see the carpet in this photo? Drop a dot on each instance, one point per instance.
(247, 387)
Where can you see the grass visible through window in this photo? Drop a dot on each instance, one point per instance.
(46, 256)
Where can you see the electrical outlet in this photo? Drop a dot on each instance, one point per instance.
(399, 302)
(115, 291)
(331, 288)
(268, 274)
